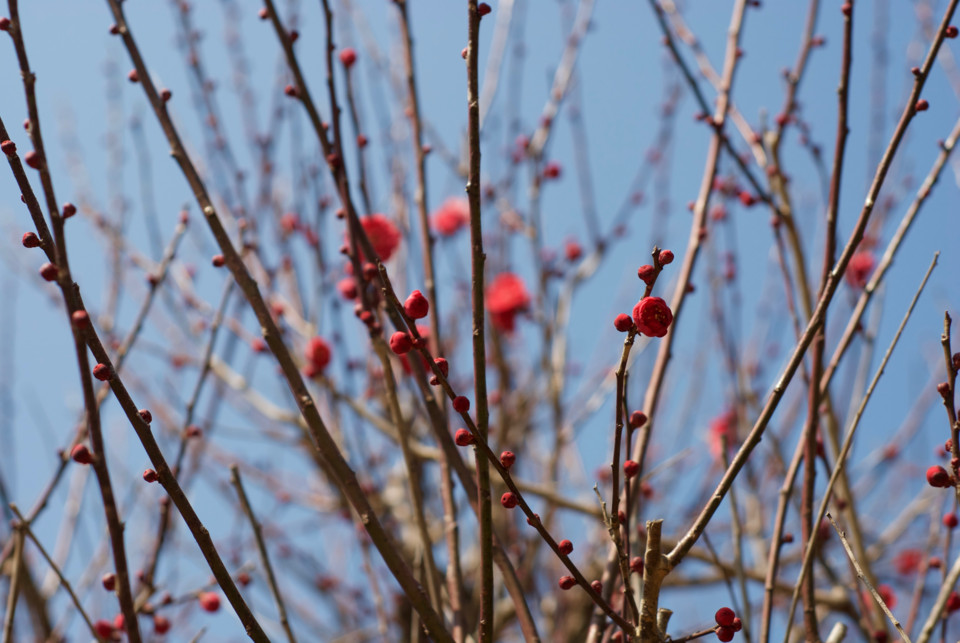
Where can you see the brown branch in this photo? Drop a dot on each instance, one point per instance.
(420, 194)
(655, 569)
(24, 527)
(483, 447)
(949, 395)
(262, 548)
(806, 569)
(863, 579)
(71, 298)
(776, 541)
(15, 578)
(813, 325)
(343, 476)
(819, 340)
(923, 192)
(478, 258)
(414, 482)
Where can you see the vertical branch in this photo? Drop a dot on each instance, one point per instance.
(655, 569)
(614, 526)
(15, 577)
(479, 346)
(836, 475)
(863, 579)
(25, 529)
(684, 545)
(420, 194)
(413, 474)
(817, 348)
(262, 548)
(454, 574)
(776, 542)
(341, 472)
(948, 395)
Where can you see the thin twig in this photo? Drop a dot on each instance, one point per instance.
(343, 475)
(829, 251)
(262, 548)
(863, 579)
(24, 526)
(923, 192)
(478, 258)
(15, 577)
(753, 439)
(806, 568)
(73, 304)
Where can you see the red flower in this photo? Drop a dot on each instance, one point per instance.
(953, 602)
(318, 355)
(937, 476)
(400, 343)
(383, 234)
(722, 426)
(209, 601)
(652, 316)
(860, 268)
(908, 561)
(451, 216)
(424, 332)
(161, 624)
(348, 288)
(348, 56)
(506, 296)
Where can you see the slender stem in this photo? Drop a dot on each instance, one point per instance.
(806, 569)
(614, 526)
(442, 434)
(262, 548)
(817, 348)
(420, 194)
(479, 347)
(698, 224)
(863, 579)
(948, 397)
(813, 325)
(25, 528)
(773, 557)
(72, 303)
(413, 474)
(15, 578)
(343, 475)
(923, 192)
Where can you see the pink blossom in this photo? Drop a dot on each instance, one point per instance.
(451, 216)
(318, 356)
(724, 426)
(860, 268)
(383, 234)
(506, 296)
